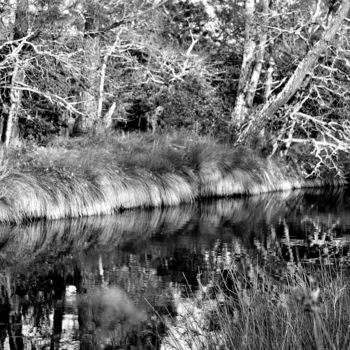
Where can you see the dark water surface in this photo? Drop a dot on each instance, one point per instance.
(110, 282)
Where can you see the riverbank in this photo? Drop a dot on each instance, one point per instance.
(83, 177)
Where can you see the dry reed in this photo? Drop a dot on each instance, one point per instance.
(308, 310)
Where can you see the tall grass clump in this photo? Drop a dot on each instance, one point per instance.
(304, 310)
(83, 177)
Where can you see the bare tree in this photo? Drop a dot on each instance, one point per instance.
(15, 27)
(253, 57)
(303, 44)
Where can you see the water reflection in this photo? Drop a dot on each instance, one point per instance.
(102, 282)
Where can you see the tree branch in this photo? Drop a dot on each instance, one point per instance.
(306, 65)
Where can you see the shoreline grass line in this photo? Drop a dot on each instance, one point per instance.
(97, 177)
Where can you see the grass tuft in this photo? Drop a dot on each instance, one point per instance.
(84, 177)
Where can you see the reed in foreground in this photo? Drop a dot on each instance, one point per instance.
(86, 177)
(304, 311)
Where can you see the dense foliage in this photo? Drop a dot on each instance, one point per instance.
(273, 76)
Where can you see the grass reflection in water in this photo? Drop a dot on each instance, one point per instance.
(264, 272)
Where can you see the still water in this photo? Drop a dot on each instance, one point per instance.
(120, 282)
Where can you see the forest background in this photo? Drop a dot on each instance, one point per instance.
(270, 75)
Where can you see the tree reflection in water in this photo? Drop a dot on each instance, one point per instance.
(105, 282)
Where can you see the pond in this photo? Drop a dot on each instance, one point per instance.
(120, 282)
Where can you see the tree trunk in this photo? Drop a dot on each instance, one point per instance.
(105, 121)
(296, 81)
(240, 110)
(9, 120)
(11, 130)
(89, 98)
(255, 77)
(307, 64)
(269, 79)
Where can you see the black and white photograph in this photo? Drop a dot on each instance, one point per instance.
(174, 174)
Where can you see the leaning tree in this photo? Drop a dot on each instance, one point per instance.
(294, 78)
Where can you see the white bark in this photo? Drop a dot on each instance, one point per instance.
(89, 98)
(108, 117)
(306, 65)
(103, 77)
(255, 77)
(269, 79)
(19, 19)
(15, 103)
(239, 112)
